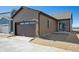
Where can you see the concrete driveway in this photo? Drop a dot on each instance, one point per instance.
(22, 44)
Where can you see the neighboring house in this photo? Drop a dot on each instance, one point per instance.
(6, 23)
(30, 22)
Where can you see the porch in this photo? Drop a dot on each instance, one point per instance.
(63, 26)
(62, 36)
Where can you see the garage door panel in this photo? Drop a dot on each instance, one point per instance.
(25, 29)
(29, 29)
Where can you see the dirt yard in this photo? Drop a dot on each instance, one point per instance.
(58, 44)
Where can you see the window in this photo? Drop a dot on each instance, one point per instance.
(28, 22)
(48, 23)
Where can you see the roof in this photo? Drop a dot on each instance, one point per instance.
(63, 16)
(5, 14)
(33, 10)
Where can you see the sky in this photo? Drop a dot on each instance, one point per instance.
(50, 10)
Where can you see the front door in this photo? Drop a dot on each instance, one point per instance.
(61, 26)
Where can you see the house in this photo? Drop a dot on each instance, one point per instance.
(5, 23)
(30, 22)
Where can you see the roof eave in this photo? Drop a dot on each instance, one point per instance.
(47, 15)
(17, 12)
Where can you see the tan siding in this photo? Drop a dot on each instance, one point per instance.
(43, 25)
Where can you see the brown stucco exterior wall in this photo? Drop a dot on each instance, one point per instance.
(43, 25)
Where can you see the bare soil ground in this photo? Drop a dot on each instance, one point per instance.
(58, 44)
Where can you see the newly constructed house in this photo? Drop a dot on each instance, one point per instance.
(30, 22)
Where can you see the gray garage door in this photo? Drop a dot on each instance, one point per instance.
(25, 28)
